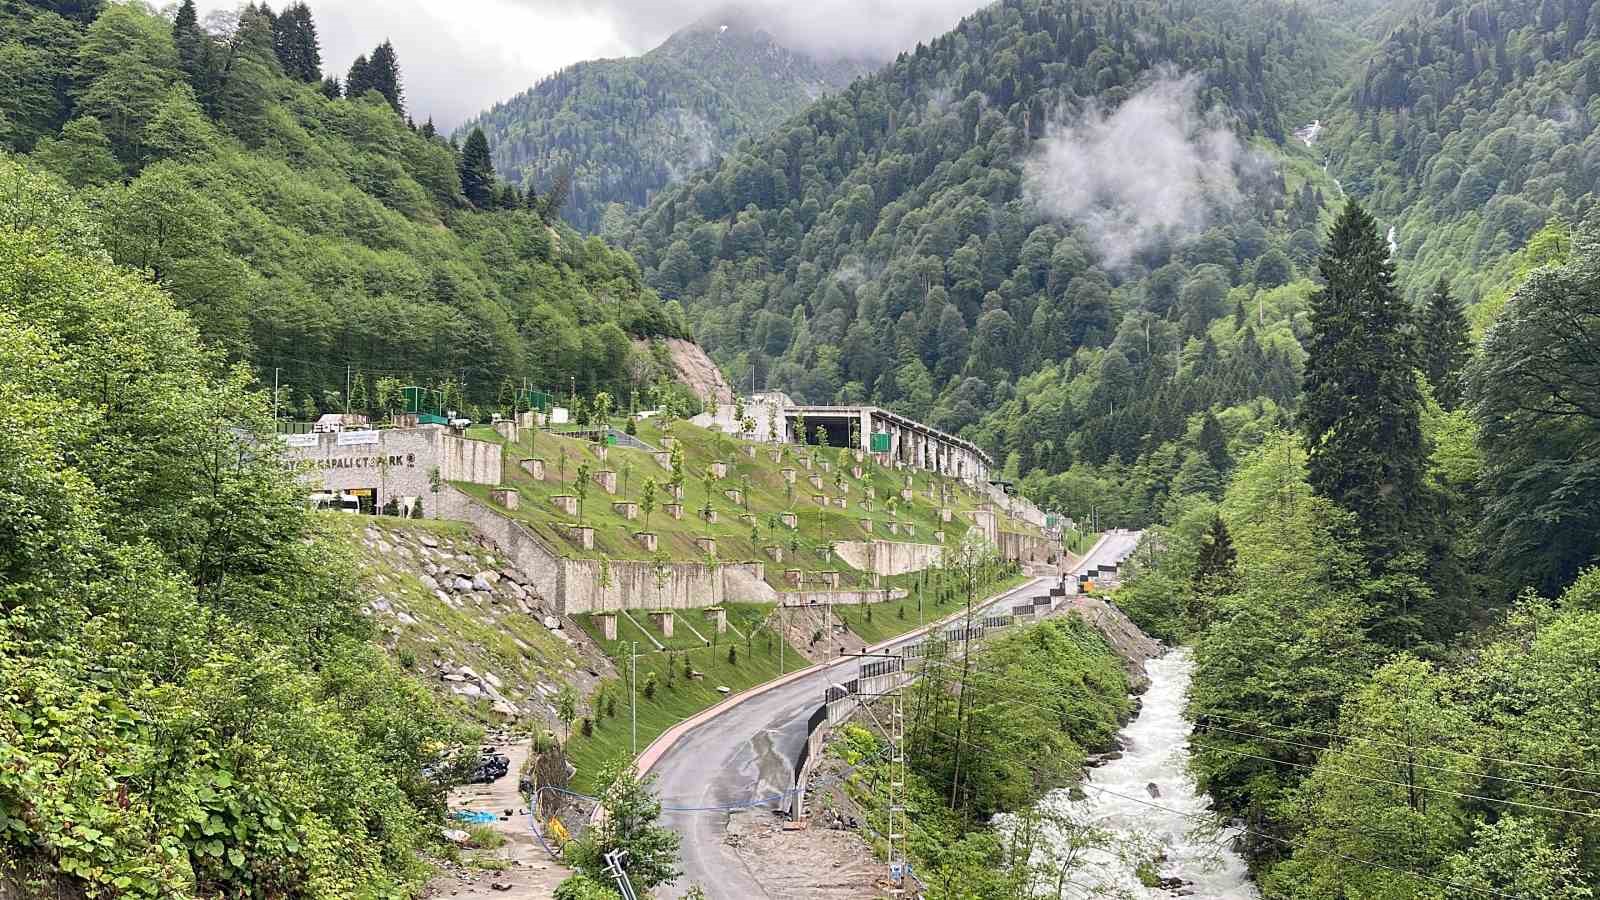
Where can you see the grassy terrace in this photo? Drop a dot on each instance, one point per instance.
(677, 696)
(766, 495)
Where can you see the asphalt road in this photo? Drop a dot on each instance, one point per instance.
(747, 753)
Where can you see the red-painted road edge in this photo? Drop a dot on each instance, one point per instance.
(652, 754)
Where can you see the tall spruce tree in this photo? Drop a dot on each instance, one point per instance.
(190, 43)
(359, 80)
(294, 40)
(384, 71)
(1362, 407)
(477, 171)
(1214, 444)
(1444, 344)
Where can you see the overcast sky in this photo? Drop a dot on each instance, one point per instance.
(460, 56)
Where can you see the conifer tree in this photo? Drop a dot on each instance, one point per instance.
(1217, 556)
(294, 40)
(1445, 345)
(1214, 444)
(331, 88)
(384, 71)
(477, 171)
(1361, 410)
(359, 79)
(190, 43)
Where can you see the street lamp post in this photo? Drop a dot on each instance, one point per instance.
(633, 694)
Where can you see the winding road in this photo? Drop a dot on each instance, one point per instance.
(744, 751)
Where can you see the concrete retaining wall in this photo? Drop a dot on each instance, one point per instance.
(889, 557)
(1026, 548)
(841, 598)
(572, 585)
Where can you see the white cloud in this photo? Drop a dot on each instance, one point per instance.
(461, 56)
(1153, 168)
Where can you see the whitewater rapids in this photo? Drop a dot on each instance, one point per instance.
(1136, 826)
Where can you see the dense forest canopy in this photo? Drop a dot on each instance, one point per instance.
(616, 131)
(320, 237)
(916, 241)
(1469, 127)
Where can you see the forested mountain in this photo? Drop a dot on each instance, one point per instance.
(616, 131)
(324, 240)
(1468, 128)
(1061, 229)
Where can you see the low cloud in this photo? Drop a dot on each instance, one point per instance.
(1153, 169)
(458, 58)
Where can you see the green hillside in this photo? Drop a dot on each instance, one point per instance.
(1467, 129)
(616, 131)
(326, 242)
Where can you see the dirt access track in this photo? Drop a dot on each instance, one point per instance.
(528, 873)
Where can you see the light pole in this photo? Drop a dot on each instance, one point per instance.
(633, 693)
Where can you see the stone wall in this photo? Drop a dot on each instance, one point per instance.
(889, 557)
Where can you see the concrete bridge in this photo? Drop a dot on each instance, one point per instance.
(891, 438)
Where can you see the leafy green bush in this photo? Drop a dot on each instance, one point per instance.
(582, 887)
(195, 706)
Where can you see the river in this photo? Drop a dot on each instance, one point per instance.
(1138, 826)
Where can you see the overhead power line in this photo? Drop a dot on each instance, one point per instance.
(1380, 741)
(1400, 762)
(1299, 845)
(1419, 787)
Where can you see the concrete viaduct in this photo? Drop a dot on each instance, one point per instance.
(898, 439)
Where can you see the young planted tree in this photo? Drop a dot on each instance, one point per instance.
(647, 500)
(661, 572)
(566, 710)
(678, 476)
(708, 478)
(581, 489)
(600, 410)
(822, 436)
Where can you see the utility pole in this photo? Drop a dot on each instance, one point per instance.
(897, 784)
(347, 387)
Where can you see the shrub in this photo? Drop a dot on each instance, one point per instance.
(582, 887)
(733, 655)
(586, 727)
(484, 837)
(650, 682)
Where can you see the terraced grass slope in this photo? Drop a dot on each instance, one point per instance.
(751, 501)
